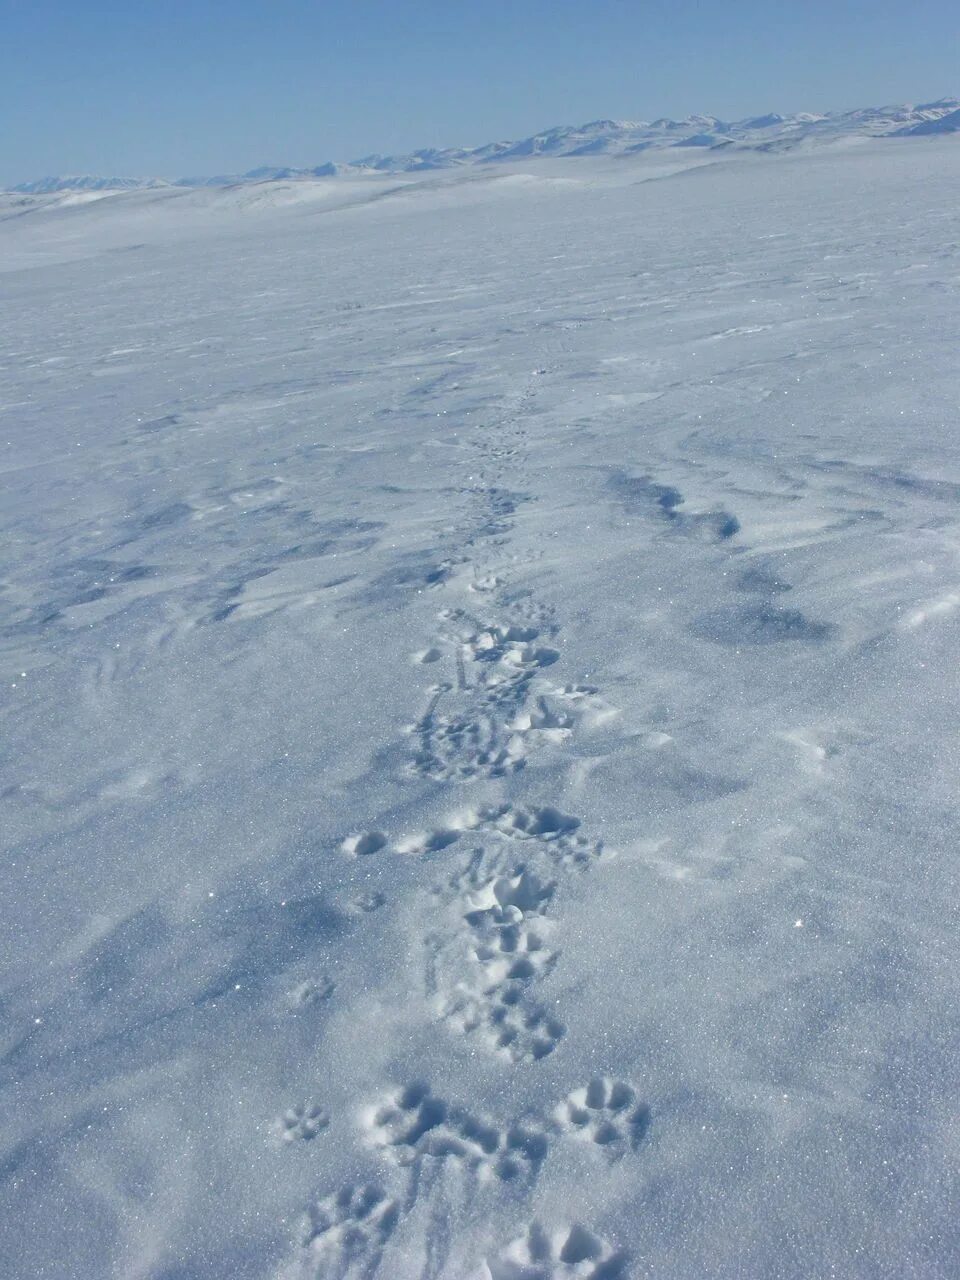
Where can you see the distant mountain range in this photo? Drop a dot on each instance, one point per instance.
(600, 137)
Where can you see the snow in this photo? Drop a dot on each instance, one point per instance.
(481, 725)
(949, 123)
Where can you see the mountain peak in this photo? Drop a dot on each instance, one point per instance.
(769, 132)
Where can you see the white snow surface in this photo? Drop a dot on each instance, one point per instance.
(481, 723)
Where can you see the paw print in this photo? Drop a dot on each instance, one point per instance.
(303, 1122)
(345, 1233)
(416, 1125)
(309, 994)
(605, 1113)
(572, 1253)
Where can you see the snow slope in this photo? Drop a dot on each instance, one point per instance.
(481, 723)
(949, 123)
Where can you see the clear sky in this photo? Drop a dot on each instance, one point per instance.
(207, 86)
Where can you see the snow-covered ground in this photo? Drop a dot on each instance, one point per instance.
(481, 736)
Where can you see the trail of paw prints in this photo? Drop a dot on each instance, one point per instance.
(502, 446)
(344, 1235)
(415, 1127)
(494, 521)
(605, 1114)
(488, 967)
(496, 707)
(425, 1138)
(493, 942)
(474, 724)
(570, 1253)
(484, 963)
(556, 833)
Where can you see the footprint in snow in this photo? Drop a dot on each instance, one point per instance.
(570, 1253)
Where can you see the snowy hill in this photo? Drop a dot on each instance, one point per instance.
(599, 137)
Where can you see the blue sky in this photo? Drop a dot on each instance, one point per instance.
(181, 88)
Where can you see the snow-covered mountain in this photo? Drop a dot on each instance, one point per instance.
(598, 137)
(949, 123)
(87, 182)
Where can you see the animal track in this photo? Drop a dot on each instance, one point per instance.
(504, 942)
(508, 1018)
(368, 900)
(466, 745)
(430, 841)
(415, 1125)
(512, 645)
(554, 830)
(572, 1253)
(309, 994)
(497, 945)
(495, 706)
(590, 709)
(302, 1122)
(545, 823)
(501, 895)
(482, 734)
(542, 722)
(344, 1234)
(500, 948)
(606, 1113)
(542, 823)
(362, 845)
(491, 707)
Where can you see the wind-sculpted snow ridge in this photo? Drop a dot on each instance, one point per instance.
(480, 696)
(599, 137)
